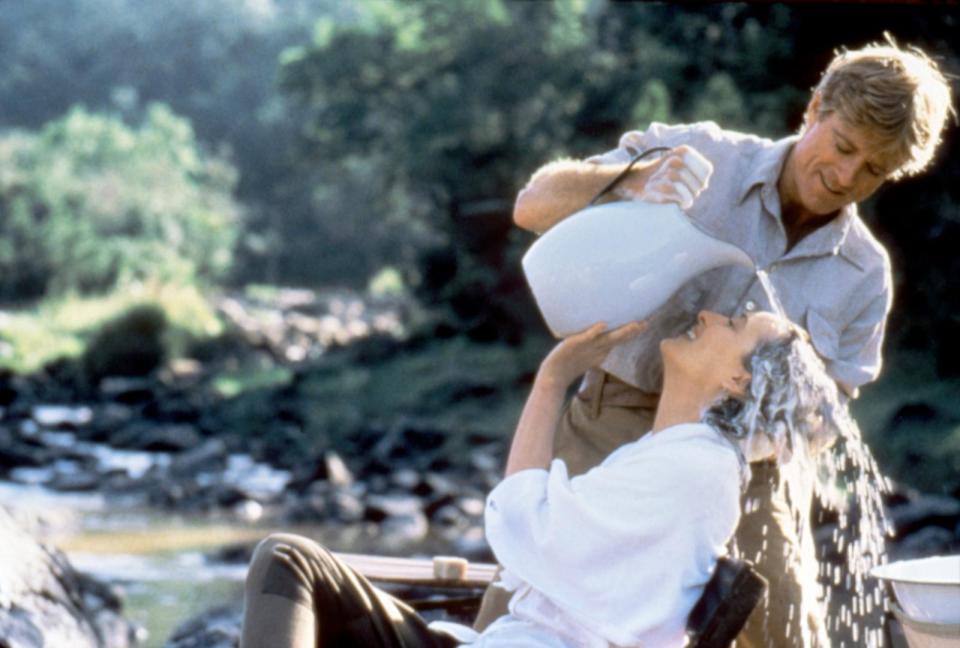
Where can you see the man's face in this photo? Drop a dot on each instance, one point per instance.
(836, 163)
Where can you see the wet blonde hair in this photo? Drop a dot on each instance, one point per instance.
(899, 93)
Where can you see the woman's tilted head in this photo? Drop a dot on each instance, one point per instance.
(710, 358)
(791, 406)
(761, 384)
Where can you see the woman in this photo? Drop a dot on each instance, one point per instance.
(616, 556)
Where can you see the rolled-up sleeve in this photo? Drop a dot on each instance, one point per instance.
(519, 502)
(647, 521)
(539, 517)
(657, 134)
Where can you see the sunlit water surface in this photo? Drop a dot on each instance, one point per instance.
(161, 562)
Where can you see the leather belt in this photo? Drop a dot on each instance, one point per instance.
(601, 389)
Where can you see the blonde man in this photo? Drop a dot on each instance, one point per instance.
(876, 115)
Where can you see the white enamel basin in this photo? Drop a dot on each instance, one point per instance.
(928, 589)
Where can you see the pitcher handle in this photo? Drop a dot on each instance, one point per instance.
(623, 174)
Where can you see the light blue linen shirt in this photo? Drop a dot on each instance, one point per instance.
(836, 282)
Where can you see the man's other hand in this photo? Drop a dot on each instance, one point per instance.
(678, 177)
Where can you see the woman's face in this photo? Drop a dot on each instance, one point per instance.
(712, 352)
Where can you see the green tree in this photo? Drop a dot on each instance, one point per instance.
(458, 102)
(213, 62)
(89, 202)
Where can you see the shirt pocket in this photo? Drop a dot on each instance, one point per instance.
(823, 334)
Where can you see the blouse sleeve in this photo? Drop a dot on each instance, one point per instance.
(638, 521)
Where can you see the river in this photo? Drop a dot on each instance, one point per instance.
(164, 563)
(158, 560)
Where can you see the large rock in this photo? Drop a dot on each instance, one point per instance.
(166, 437)
(127, 391)
(215, 628)
(16, 452)
(401, 518)
(329, 468)
(928, 541)
(44, 602)
(211, 456)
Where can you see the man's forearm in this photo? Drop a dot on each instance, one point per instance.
(561, 188)
(532, 445)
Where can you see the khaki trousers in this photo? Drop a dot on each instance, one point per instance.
(606, 414)
(299, 595)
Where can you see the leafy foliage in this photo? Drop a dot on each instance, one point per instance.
(421, 120)
(400, 136)
(90, 203)
(129, 345)
(63, 327)
(456, 103)
(213, 62)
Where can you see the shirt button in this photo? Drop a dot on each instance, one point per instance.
(751, 306)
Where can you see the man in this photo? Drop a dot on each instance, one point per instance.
(876, 115)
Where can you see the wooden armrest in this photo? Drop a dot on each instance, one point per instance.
(416, 571)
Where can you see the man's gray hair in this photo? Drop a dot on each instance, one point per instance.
(791, 402)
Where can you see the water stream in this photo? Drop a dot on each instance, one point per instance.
(851, 484)
(771, 292)
(848, 482)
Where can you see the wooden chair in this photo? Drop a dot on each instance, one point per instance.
(729, 597)
(731, 594)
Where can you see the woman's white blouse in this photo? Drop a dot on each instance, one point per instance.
(619, 555)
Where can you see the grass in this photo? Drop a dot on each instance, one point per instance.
(60, 327)
(444, 382)
(233, 384)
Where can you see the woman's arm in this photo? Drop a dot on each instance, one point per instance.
(532, 445)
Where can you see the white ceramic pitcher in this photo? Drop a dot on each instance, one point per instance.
(618, 262)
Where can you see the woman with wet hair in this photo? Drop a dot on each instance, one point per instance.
(792, 403)
(616, 556)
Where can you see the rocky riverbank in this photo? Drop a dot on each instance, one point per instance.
(311, 411)
(44, 601)
(394, 441)
(405, 418)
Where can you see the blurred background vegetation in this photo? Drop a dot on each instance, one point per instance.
(155, 152)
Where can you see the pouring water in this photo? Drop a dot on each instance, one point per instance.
(772, 297)
(849, 483)
(620, 262)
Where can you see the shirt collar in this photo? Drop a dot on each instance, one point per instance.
(766, 165)
(765, 170)
(828, 239)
